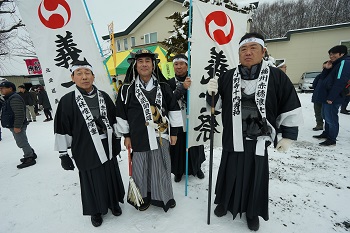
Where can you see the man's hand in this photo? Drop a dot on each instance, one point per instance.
(212, 86)
(17, 130)
(284, 144)
(329, 101)
(173, 140)
(127, 142)
(187, 83)
(328, 65)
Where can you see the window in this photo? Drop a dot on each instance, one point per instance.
(347, 44)
(133, 41)
(126, 44)
(150, 38)
(118, 45)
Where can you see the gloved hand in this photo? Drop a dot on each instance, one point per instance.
(212, 86)
(66, 162)
(284, 144)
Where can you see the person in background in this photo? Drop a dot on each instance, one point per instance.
(33, 92)
(344, 105)
(13, 117)
(84, 122)
(179, 84)
(148, 116)
(29, 101)
(333, 80)
(45, 103)
(255, 99)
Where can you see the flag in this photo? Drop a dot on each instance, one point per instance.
(61, 33)
(33, 66)
(215, 36)
(167, 69)
(113, 48)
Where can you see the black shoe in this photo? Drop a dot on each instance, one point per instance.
(177, 178)
(144, 206)
(321, 136)
(117, 211)
(34, 156)
(34, 120)
(344, 112)
(172, 203)
(200, 174)
(96, 220)
(253, 223)
(220, 210)
(29, 161)
(29, 120)
(328, 142)
(317, 127)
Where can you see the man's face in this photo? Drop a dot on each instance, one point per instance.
(83, 78)
(21, 89)
(335, 56)
(5, 90)
(180, 68)
(144, 67)
(251, 54)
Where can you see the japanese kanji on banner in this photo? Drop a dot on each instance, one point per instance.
(61, 33)
(33, 66)
(215, 36)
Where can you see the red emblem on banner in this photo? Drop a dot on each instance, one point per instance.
(33, 66)
(219, 27)
(54, 14)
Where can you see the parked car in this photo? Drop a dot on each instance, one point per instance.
(306, 80)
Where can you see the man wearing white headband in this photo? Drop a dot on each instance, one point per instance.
(179, 84)
(255, 99)
(85, 122)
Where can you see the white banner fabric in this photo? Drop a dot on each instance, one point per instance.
(215, 36)
(61, 33)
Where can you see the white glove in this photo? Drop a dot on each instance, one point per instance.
(284, 144)
(212, 86)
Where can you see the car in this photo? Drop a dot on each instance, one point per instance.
(306, 80)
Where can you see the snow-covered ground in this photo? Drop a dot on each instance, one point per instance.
(309, 190)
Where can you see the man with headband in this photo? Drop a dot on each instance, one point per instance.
(179, 84)
(85, 121)
(256, 99)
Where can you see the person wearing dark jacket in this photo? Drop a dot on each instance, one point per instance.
(45, 103)
(84, 122)
(331, 85)
(255, 99)
(13, 117)
(29, 101)
(179, 84)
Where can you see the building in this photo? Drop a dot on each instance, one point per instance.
(150, 27)
(306, 49)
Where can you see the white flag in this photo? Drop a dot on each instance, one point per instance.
(214, 50)
(61, 33)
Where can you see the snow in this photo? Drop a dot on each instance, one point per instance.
(309, 190)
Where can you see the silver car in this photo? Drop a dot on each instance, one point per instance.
(306, 80)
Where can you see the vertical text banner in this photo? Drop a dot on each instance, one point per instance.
(214, 50)
(61, 33)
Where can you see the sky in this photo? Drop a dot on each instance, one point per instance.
(309, 190)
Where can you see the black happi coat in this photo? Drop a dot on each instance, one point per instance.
(281, 98)
(130, 114)
(69, 122)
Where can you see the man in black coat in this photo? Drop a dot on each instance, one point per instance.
(29, 101)
(13, 117)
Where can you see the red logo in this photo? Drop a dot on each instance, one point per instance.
(219, 27)
(54, 14)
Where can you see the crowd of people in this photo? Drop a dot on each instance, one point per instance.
(257, 101)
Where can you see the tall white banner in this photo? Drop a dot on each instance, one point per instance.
(214, 50)
(61, 33)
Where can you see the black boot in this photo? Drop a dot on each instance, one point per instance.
(34, 156)
(28, 161)
(253, 223)
(96, 220)
(117, 211)
(200, 174)
(177, 178)
(220, 210)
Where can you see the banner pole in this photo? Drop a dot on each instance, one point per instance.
(188, 91)
(96, 38)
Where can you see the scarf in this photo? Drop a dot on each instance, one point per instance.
(91, 125)
(260, 100)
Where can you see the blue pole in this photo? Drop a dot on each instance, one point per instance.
(188, 91)
(96, 38)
